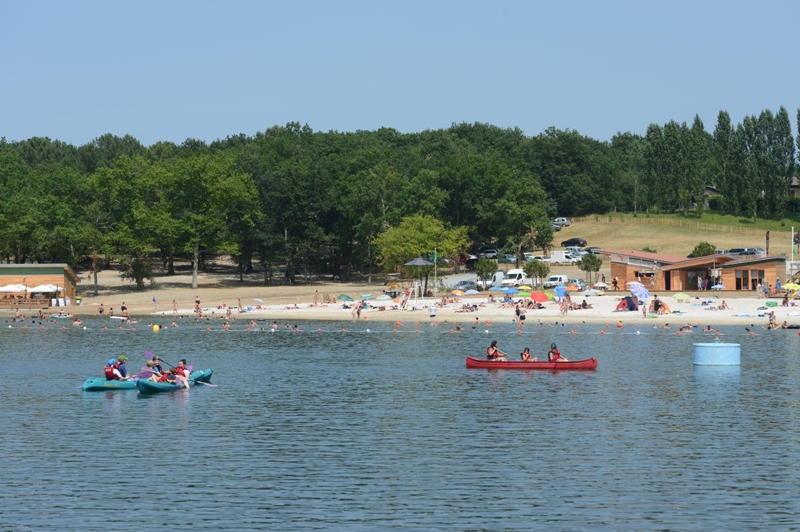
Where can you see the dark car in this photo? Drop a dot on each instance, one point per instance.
(466, 285)
(592, 249)
(555, 227)
(573, 242)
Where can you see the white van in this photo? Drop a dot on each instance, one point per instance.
(496, 280)
(555, 280)
(561, 257)
(515, 277)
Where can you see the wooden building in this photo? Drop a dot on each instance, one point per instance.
(669, 273)
(35, 275)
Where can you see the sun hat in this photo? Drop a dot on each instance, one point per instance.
(122, 358)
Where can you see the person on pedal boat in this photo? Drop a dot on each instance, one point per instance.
(554, 355)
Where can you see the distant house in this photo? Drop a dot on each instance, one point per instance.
(31, 280)
(666, 272)
(794, 187)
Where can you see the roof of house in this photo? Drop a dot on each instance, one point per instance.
(66, 268)
(758, 260)
(657, 257)
(698, 262)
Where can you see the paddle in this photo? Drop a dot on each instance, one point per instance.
(149, 354)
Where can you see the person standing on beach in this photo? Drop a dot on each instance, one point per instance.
(615, 282)
(174, 307)
(101, 309)
(316, 297)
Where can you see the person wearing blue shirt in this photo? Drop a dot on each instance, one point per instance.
(124, 372)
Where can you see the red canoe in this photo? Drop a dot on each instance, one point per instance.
(472, 362)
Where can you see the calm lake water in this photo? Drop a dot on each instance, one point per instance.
(379, 430)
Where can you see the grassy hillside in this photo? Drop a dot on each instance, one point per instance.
(675, 235)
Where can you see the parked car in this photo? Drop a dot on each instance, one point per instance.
(495, 280)
(488, 252)
(592, 249)
(555, 280)
(466, 285)
(562, 222)
(555, 226)
(745, 252)
(507, 258)
(574, 242)
(577, 251)
(541, 258)
(580, 283)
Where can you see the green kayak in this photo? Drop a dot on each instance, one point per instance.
(146, 386)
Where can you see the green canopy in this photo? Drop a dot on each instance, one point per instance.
(344, 297)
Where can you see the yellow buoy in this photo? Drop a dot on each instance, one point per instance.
(156, 328)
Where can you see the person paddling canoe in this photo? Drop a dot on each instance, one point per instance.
(554, 355)
(493, 353)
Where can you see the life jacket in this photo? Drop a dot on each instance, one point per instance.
(555, 355)
(490, 355)
(109, 371)
(164, 378)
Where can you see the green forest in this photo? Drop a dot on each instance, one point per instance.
(289, 200)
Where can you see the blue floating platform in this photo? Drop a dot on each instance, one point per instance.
(717, 354)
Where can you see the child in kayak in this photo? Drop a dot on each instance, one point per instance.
(526, 356)
(554, 355)
(169, 376)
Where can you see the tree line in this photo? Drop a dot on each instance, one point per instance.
(293, 201)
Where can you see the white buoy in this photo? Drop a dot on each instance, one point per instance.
(637, 332)
(272, 330)
(367, 330)
(487, 331)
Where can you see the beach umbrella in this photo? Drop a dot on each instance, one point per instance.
(718, 287)
(525, 287)
(393, 285)
(572, 288)
(258, 300)
(591, 292)
(560, 291)
(419, 261)
(383, 298)
(639, 290)
(792, 286)
(344, 297)
(600, 285)
(471, 292)
(457, 293)
(44, 288)
(14, 288)
(497, 288)
(680, 296)
(524, 294)
(366, 296)
(539, 297)
(510, 291)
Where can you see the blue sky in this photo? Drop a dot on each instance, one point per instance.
(171, 70)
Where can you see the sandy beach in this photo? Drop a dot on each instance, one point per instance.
(291, 303)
